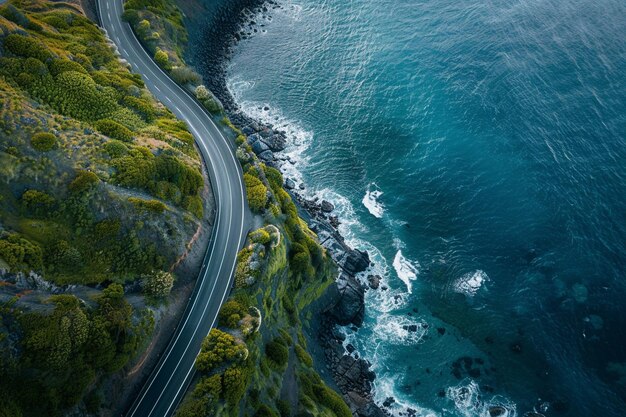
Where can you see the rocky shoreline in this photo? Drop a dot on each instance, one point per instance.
(344, 301)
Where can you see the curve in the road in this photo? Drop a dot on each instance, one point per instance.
(167, 383)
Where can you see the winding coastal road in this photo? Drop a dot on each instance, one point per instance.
(168, 382)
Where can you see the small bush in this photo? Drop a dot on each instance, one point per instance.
(231, 312)
(260, 236)
(304, 356)
(38, 202)
(83, 181)
(185, 75)
(43, 141)
(158, 284)
(277, 352)
(153, 206)
(162, 59)
(114, 130)
(20, 253)
(115, 148)
(257, 193)
(332, 400)
(207, 99)
(61, 65)
(26, 47)
(219, 348)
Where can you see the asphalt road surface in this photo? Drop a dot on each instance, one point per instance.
(171, 377)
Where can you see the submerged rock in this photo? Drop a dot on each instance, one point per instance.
(373, 281)
(327, 206)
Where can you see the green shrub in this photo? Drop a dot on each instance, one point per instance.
(301, 264)
(58, 66)
(185, 75)
(153, 206)
(142, 107)
(257, 193)
(260, 236)
(62, 257)
(332, 400)
(38, 202)
(43, 141)
(231, 312)
(235, 381)
(76, 94)
(20, 253)
(194, 205)
(158, 284)
(114, 130)
(218, 348)
(83, 181)
(277, 352)
(162, 59)
(115, 148)
(26, 47)
(35, 67)
(304, 356)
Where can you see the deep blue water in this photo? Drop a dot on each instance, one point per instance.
(496, 132)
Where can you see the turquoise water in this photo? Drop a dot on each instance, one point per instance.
(477, 149)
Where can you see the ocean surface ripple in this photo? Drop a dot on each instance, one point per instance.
(477, 149)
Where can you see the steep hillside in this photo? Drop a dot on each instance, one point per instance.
(101, 192)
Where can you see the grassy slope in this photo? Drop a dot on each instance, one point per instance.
(99, 184)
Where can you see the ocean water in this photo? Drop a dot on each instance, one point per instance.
(477, 150)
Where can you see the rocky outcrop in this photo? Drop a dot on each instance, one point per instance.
(327, 206)
(349, 307)
(356, 261)
(352, 374)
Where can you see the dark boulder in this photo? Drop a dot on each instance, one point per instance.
(373, 281)
(327, 206)
(349, 307)
(356, 261)
(276, 143)
(259, 147)
(267, 156)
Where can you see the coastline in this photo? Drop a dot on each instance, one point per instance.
(343, 303)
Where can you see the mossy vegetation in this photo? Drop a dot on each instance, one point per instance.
(100, 186)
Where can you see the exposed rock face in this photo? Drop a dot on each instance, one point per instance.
(356, 261)
(350, 305)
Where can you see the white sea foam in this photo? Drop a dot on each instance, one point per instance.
(371, 202)
(299, 139)
(405, 269)
(399, 330)
(470, 283)
(385, 388)
(469, 402)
